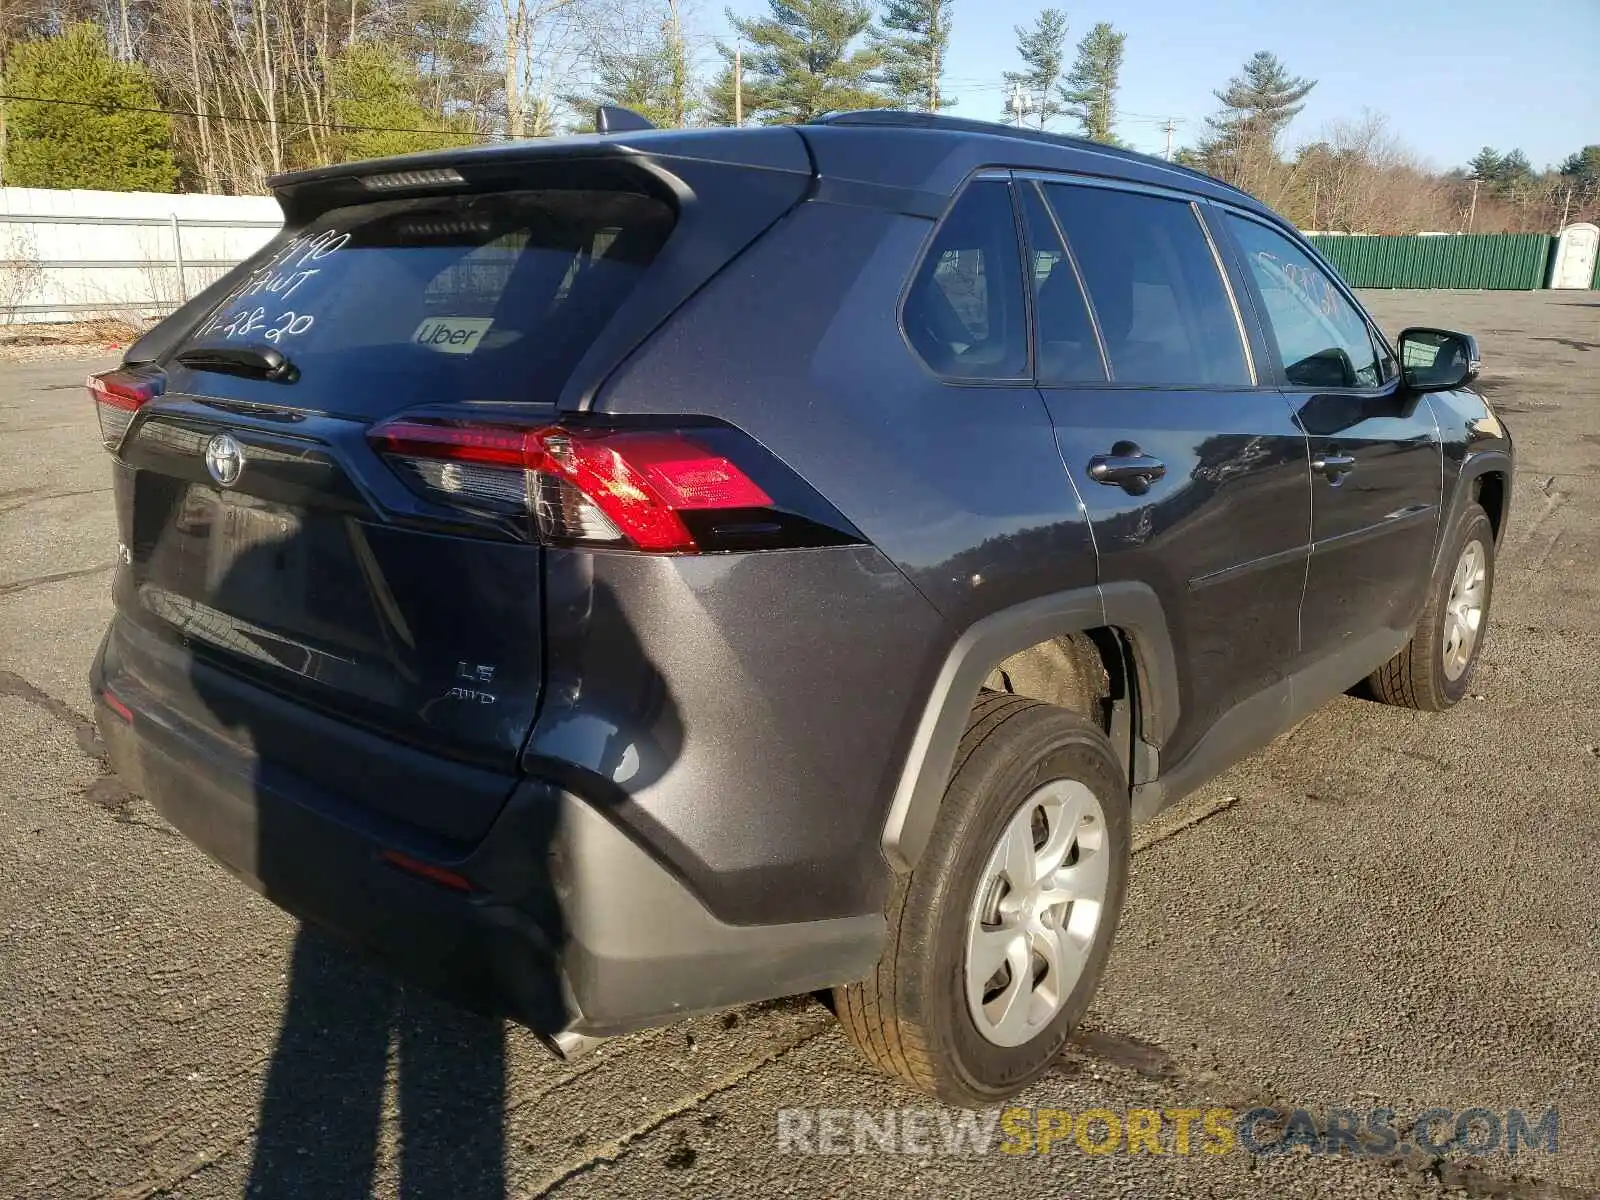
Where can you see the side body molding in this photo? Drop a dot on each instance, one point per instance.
(1132, 607)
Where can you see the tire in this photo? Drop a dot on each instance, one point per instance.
(912, 1018)
(1426, 675)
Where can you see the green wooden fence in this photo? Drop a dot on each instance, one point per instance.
(1505, 261)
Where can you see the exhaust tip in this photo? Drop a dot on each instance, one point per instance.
(568, 1046)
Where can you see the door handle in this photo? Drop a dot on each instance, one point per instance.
(1126, 467)
(1334, 467)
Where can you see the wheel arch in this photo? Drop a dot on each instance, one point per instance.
(1484, 478)
(1124, 618)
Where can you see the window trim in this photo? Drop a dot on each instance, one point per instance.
(1285, 385)
(1194, 203)
(1025, 380)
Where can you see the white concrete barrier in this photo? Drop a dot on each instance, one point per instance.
(73, 255)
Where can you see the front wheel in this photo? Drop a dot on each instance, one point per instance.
(998, 938)
(1435, 668)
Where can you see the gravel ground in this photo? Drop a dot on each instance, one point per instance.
(1382, 909)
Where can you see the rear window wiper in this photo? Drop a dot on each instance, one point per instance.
(252, 362)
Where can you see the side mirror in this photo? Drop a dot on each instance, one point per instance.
(1436, 360)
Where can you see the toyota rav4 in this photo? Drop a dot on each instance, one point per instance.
(620, 577)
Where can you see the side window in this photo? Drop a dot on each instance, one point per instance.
(965, 312)
(1162, 306)
(1067, 350)
(1323, 341)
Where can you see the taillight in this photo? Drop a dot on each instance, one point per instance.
(119, 394)
(659, 490)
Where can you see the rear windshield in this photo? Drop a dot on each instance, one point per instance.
(436, 300)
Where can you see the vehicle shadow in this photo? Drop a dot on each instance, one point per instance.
(351, 1035)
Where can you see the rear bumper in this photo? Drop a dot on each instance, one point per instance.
(570, 924)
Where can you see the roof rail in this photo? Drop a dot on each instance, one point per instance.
(895, 118)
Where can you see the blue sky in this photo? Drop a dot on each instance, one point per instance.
(1451, 75)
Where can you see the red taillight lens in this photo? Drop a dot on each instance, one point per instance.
(625, 487)
(118, 395)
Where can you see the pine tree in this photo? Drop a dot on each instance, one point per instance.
(1514, 169)
(1090, 90)
(914, 40)
(99, 140)
(1257, 106)
(1485, 165)
(1583, 167)
(801, 63)
(1042, 49)
(717, 107)
(375, 98)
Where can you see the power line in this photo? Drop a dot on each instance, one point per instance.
(183, 112)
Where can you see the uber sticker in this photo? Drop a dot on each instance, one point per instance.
(452, 335)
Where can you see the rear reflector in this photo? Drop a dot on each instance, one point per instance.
(440, 875)
(117, 706)
(623, 487)
(118, 395)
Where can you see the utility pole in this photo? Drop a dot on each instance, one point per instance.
(1566, 206)
(1019, 103)
(1170, 127)
(1473, 210)
(738, 83)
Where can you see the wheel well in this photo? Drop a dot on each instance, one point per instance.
(1086, 672)
(1490, 490)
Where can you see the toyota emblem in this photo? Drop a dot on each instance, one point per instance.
(224, 459)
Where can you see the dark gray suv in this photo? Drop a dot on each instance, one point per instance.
(620, 577)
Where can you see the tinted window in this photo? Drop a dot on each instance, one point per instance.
(964, 313)
(1162, 306)
(404, 302)
(1321, 338)
(1068, 351)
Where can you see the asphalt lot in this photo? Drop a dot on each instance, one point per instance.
(1382, 909)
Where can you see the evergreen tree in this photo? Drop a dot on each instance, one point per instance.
(1500, 171)
(97, 141)
(1485, 165)
(801, 62)
(1514, 169)
(1043, 50)
(1583, 167)
(716, 107)
(1090, 90)
(375, 96)
(914, 40)
(1257, 106)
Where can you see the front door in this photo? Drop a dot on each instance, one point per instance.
(1376, 482)
(1193, 476)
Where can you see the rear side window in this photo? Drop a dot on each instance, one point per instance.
(437, 300)
(1159, 298)
(965, 312)
(1321, 338)
(1068, 351)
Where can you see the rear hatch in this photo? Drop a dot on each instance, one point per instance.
(289, 587)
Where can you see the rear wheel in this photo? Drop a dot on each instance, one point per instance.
(998, 938)
(1435, 668)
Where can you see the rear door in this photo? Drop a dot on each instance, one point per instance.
(1375, 450)
(1194, 475)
